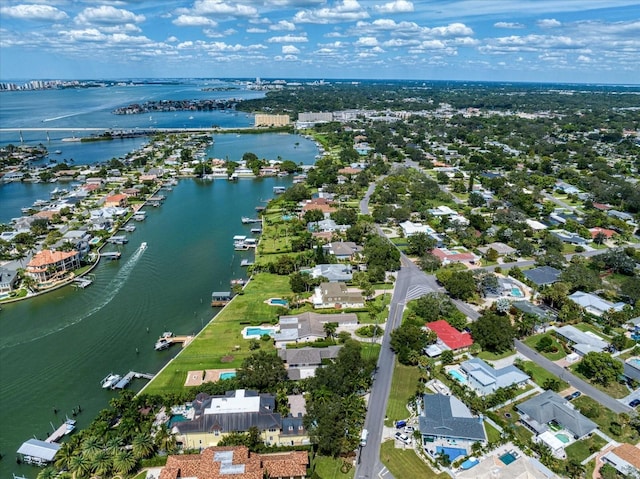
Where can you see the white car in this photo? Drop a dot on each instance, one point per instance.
(403, 438)
(409, 429)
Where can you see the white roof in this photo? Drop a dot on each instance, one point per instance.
(552, 441)
(238, 404)
(536, 225)
(40, 449)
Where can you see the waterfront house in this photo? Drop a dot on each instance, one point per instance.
(301, 363)
(236, 462)
(594, 304)
(119, 200)
(309, 326)
(326, 226)
(47, 264)
(486, 380)
(8, 280)
(321, 204)
(447, 426)
(236, 411)
(336, 295)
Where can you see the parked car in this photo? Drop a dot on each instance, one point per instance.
(403, 438)
(400, 424)
(576, 394)
(635, 403)
(409, 429)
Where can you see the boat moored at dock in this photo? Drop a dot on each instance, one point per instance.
(110, 381)
(220, 298)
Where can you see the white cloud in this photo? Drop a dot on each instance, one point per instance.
(548, 23)
(283, 25)
(218, 7)
(508, 25)
(347, 11)
(194, 21)
(288, 39)
(172, 39)
(397, 6)
(34, 12)
(86, 35)
(584, 59)
(256, 30)
(107, 15)
(126, 28)
(290, 49)
(367, 42)
(286, 58)
(452, 30)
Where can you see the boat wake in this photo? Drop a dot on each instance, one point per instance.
(111, 289)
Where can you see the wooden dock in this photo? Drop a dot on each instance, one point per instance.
(130, 376)
(66, 427)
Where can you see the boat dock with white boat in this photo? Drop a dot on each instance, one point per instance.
(118, 239)
(67, 427)
(111, 255)
(129, 228)
(246, 220)
(82, 282)
(168, 338)
(130, 376)
(110, 380)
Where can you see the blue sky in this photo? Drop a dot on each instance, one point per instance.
(585, 41)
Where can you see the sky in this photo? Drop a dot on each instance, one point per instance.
(568, 41)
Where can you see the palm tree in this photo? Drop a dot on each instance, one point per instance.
(91, 446)
(165, 441)
(101, 463)
(64, 455)
(49, 472)
(124, 462)
(114, 445)
(143, 446)
(79, 466)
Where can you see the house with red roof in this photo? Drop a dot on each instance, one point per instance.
(450, 336)
(454, 256)
(608, 234)
(118, 200)
(47, 264)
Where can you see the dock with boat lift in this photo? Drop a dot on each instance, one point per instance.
(118, 239)
(128, 228)
(66, 427)
(130, 376)
(82, 282)
(111, 255)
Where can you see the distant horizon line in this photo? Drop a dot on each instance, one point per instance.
(310, 79)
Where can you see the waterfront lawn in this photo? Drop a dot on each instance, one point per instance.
(553, 355)
(220, 343)
(403, 387)
(406, 463)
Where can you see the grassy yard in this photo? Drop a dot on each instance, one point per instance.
(553, 356)
(580, 450)
(508, 418)
(329, 468)
(216, 345)
(404, 463)
(403, 387)
(586, 327)
(493, 435)
(614, 389)
(489, 356)
(539, 375)
(604, 418)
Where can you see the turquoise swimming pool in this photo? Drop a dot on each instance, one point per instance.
(515, 292)
(228, 375)
(563, 438)
(457, 376)
(279, 301)
(507, 458)
(258, 332)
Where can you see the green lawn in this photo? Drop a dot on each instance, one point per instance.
(220, 337)
(489, 356)
(329, 468)
(586, 327)
(539, 375)
(403, 387)
(580, 450)
(493, 435)
(553, 356)
(404, 463)
(508, 418)
(613, 389)
(604, 417)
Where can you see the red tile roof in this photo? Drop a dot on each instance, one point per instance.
(450, 335)
(47, 257)
(606, 232)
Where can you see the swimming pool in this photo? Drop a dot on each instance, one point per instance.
(278, 302)
(175, 419)
(257, 332)
(636, 362)
(287, 217)
(452, 452)
(228, 375)
(457, 376)
(516, 292)
(507, 458)
(563, 438)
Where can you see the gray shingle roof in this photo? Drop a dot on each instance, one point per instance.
(486, 375)
(549, 406)
(447, 416)
(543, 275)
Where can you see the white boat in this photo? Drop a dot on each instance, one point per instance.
(71, 425)
(164, 341)
(191, 118)
(143, 245)
(58, 152)
(110, 381)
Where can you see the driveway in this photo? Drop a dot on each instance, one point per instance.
(586, 388)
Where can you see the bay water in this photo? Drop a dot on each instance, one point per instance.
(56, 348)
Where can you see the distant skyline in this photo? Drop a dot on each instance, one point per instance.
(575, 41)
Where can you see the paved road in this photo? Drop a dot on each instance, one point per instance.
(586, 388)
